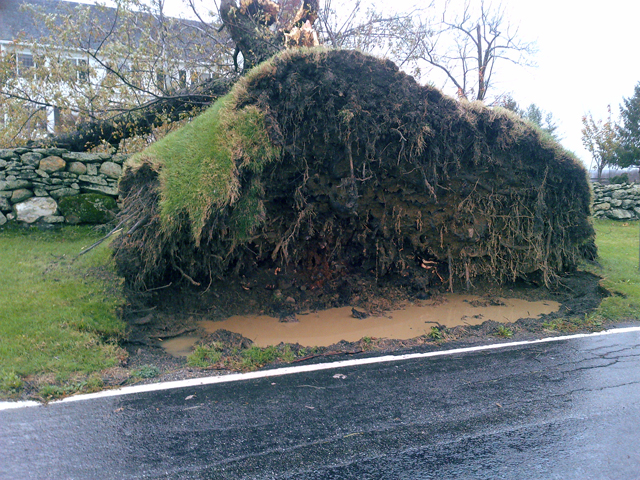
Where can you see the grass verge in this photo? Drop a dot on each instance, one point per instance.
(618, 266)
(618, 247)
(58, 321)
(252, 358)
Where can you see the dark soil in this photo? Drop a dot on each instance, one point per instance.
(173, 311)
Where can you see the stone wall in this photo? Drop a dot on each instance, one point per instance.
(49, 185)
(53, 185)
(619, 202)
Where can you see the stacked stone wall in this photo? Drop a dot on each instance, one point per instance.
(618, 202)
(34, 182)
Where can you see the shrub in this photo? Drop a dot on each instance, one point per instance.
(620, 179)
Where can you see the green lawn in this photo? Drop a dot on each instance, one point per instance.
(618, 250)
(58, 322)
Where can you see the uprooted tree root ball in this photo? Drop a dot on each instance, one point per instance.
(323, 162)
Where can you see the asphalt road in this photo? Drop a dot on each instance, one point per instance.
(562, 410)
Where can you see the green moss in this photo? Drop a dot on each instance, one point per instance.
(88, 208)
(199, 166)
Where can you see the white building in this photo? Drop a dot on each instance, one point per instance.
(186, 61)
(18, 29)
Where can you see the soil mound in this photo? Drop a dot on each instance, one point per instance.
(320, 163)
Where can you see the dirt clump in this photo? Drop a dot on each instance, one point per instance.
(325, 174)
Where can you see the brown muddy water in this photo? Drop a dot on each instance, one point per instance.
(411, 320)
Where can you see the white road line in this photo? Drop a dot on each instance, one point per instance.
(235, 377)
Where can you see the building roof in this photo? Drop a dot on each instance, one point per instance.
(14, 21)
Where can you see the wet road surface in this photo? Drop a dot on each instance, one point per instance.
(564, 410)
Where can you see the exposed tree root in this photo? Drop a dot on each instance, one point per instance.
(377, 174)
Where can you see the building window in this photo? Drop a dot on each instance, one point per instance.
(83, 70)
(25, 64)
(76, 70)
(182, 78)
(199, 77)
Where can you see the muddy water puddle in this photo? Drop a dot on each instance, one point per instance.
(327, 327)
(180, 346)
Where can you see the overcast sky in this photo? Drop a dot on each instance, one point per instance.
(587, 58)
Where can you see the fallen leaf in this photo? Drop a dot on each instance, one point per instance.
(310, 408)
(339, 375)
(190, 397)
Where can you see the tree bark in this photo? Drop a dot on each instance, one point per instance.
(249, 29)
(251, 26)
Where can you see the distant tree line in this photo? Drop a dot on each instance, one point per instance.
(533, 114)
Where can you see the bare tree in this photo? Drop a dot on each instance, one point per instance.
(466, 47)
(356, 25)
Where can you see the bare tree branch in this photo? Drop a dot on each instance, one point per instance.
(487, 34)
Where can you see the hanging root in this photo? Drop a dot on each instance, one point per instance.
(450, 260)
(466, 276)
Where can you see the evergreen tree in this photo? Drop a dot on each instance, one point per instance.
(534, 114)
(542, 119)
(629, 131)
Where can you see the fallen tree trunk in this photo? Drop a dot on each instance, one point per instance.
(141, 120)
